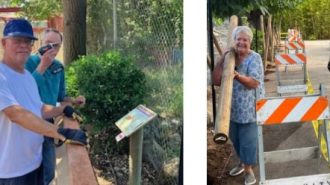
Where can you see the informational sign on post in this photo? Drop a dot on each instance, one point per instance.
(133, 121)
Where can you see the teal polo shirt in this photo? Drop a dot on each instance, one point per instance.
(51, 84)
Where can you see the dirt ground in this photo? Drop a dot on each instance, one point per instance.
(218, 160)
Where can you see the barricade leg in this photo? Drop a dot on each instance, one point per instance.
(305, 73)
(278, 76)
(327, 136)
(261, 155)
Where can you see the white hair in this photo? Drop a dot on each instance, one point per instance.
(242, 29)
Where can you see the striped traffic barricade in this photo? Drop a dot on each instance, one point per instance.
(296, 59)
(283, 110)
(296, 46)
(295, 38)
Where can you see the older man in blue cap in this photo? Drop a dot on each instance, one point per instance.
(21, 111)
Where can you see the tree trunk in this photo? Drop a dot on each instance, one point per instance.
(74, 42)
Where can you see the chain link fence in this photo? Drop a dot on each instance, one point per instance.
(151, 32)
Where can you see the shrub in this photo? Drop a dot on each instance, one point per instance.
(112, 86)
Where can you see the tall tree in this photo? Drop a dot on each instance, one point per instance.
(74, 13)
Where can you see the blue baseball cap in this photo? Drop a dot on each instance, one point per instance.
(18, 28)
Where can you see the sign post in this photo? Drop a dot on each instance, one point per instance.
(131, 126)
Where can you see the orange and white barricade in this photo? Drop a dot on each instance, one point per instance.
(294, 35)
(281, 110)
(296, 46)
(297, 59)
(295, 38)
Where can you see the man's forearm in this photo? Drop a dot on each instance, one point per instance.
(31, 122)
(49, 111)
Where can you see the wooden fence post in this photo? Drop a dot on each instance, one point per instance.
(135, 157)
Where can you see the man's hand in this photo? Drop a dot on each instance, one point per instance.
(80, 100)
(74, 136)
(46, 60)
(69, 112)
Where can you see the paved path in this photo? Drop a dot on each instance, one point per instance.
(295, 135)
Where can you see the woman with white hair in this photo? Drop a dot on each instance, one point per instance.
(247, 86)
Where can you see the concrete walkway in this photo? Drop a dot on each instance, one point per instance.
(294, 135)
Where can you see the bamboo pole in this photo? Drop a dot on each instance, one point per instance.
(267, 44)
(271, 40)
(263, 40)
(222, 120)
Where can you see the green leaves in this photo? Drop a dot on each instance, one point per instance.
(39, 9)
(311, 17)
(225, 8)
(111, 84)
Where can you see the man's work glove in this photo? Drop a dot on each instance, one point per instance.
(71, 113)
(74, 136)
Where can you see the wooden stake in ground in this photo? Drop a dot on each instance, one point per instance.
(222, 120)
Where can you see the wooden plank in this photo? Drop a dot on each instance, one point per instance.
(74, 166)
(63, 172)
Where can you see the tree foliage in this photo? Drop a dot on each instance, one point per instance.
(226, 8)
(312, 18)
(38, 9)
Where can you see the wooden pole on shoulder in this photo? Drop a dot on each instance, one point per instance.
(222, 120)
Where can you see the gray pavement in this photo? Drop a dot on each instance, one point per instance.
(296, 135)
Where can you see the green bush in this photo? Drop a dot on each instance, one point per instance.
(112, 85)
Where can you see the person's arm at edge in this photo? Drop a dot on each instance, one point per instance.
(28, 120)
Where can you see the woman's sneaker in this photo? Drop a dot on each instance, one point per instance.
(250, 178)
(237, 170)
